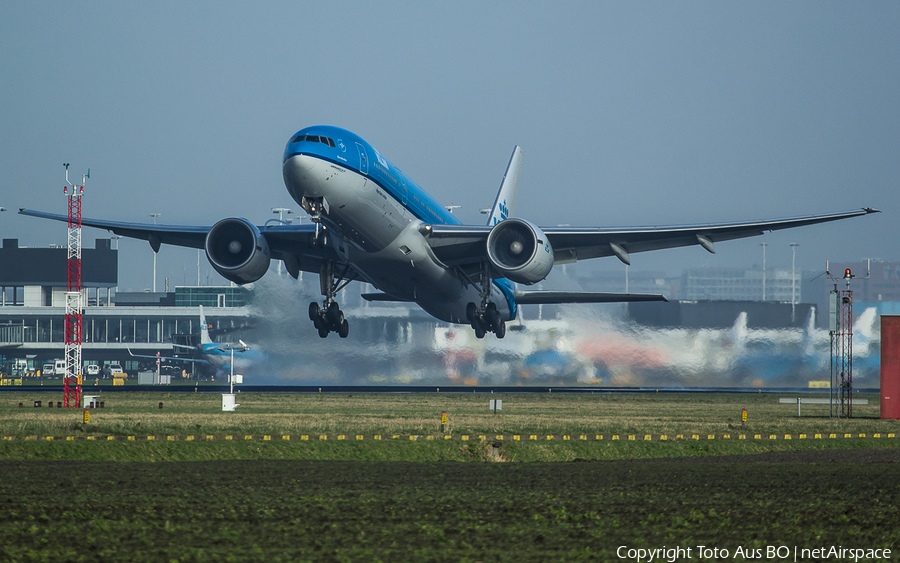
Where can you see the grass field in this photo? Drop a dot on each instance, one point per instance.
(420, 414)
(439, 500)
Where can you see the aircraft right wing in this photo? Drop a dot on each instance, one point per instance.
(572, 244)
(465, 245)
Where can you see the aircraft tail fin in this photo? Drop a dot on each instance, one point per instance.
(505, 204)
(204, 329)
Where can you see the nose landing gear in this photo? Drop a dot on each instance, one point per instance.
(315, 207)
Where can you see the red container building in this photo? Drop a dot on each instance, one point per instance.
(890, 367)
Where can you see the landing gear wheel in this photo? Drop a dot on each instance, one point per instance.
(323, 332)
(335, 315)
(344, 329)
(313, 311)
(492, 316)
(479, 331)
(471, 312)
(500, 330)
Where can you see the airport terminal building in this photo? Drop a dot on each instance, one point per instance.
(32, 310)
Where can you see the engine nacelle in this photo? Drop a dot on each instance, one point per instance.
(237, 250)
(520, 251)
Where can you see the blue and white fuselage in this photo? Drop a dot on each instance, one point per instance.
(379, 216)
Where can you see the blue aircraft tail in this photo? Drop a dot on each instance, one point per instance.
(505, 204)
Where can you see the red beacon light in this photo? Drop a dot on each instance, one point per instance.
(847, 274)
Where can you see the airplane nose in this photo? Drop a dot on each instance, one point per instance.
(299, 177)
(299, 163)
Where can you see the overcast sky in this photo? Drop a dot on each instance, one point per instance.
(629, 113)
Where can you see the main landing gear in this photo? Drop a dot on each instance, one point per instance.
(329, 317)
(486, 318)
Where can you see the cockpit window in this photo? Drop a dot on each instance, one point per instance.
(312, 139)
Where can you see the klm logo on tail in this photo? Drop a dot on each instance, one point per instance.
(504, 213)
(505, 204)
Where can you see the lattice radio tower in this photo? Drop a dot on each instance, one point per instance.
(841, 330)
(74, 365)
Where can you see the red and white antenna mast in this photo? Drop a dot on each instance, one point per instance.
(74, 365)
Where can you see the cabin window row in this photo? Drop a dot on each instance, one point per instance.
(313, 139)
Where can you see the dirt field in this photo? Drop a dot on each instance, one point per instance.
(808, 456)
(289, 510)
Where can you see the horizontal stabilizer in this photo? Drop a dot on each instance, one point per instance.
(171, 358)
(557, 297)
(383, 297)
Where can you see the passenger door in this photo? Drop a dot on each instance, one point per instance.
(363, 159)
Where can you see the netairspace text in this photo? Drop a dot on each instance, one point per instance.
(771, 552)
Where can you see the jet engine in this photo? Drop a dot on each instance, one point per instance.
(520, 251)
(237, 250)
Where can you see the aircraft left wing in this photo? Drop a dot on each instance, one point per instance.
(465, 245)
(189, 236)
(291, 243)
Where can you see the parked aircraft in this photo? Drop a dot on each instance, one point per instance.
(215, 354)
(372, 223)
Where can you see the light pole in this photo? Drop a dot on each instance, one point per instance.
(243, 347)
(794, 246)
(280, 211)
(764, 245)
(154, 215)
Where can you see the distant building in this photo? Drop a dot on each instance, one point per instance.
(38, 277)
(740, 284)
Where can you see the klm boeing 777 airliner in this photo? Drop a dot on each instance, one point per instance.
(371, 223)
